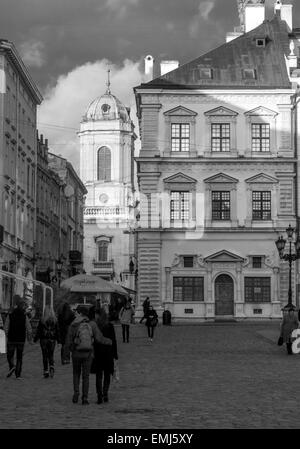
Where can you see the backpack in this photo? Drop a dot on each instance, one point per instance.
(49, 331)
(84, 339)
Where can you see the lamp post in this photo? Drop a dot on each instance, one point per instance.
(59, 265)
(290, 257)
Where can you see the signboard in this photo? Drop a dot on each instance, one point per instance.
(75, 256)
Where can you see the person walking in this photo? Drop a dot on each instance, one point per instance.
(80, 339)
(126, 317)
(104, 356)
(17, 328)
(65, 316)
(1, 322)
(146, 305)
(151, 321)
(48, 334)
(288, 324)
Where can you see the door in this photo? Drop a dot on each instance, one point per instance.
(224, 295)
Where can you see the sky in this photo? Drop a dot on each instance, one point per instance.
(68, 45)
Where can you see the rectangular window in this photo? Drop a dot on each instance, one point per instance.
(188, 261)
(257, 289)
(180, 136)
(221, 205)
(261, 137)
(256, 262)
(261, 205)
(205, 73)
(220, 137)
(188, 288)
(180, 206)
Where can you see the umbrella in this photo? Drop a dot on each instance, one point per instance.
(119, 289)
(85, 283)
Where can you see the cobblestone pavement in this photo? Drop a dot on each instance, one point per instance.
(212, 375)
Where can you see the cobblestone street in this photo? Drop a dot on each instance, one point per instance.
(212, 375)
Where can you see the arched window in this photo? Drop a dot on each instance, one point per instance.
(104, 164)
(102, 251)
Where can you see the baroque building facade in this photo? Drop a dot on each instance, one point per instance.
(106, 169)
(217, 174)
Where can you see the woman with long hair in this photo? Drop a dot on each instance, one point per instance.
(48, 334)
(105, 356)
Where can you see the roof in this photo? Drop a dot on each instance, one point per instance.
(13, 55)
(229, 61)
(106, 107)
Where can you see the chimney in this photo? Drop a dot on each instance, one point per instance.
(168, 66)
(149, 62)
(287, 15)
(254, 14)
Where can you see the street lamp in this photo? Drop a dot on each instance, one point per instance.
(59, 265)
(289, 257)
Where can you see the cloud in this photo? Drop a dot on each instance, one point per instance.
(204, 9)
(64, 105)
(120, 6)
(33, 54)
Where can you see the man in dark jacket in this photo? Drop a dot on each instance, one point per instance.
(65, 316)
(82, 359)
(17, 328)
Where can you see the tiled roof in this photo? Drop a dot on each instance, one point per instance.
(229, 61)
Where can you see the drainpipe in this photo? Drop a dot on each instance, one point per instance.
(295, 101)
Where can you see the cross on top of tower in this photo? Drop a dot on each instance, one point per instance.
(108, 82)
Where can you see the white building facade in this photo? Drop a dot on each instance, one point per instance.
(106, 169)
(217, 176)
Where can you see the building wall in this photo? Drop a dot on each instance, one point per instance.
(19, 98)
(162, 243)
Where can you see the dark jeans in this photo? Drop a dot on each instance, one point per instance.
(125, 332)
(81, 365)
(19, 348)
(289, 348)
(48, 347)
(150, 331)
(102, 389)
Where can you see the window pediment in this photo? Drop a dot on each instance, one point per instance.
(261, 111)
(221, 178)
(224, 256)
(180, 111)
(103, 238)
(261, 179)
(180, 178)
(221, 111)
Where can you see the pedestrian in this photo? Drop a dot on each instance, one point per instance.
(65, 316)
(17, 328)
(103, 364)
(146, 305)
(151, 321)
(48, 334)
(288, 324)
(81, 336)
(1, 322)
(126, 318)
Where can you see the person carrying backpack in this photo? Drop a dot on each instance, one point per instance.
(48, 334)
(80, 339)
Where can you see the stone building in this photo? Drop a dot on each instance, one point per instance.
(19, 98)
(217, 173)
(51, 215)
(71, 205)
(106, 169)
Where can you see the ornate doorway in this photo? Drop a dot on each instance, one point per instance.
(224, 295)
